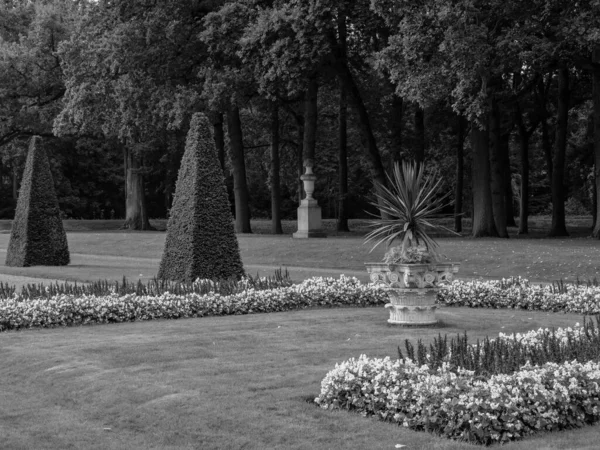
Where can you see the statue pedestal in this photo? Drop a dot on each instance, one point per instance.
(309, 212)
(309, 220)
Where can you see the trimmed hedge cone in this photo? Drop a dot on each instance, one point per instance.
(37, 237)
(201, 241)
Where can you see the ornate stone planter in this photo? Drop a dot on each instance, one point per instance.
(412, 289)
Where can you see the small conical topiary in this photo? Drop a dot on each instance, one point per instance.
(37, 237)
(201, 241)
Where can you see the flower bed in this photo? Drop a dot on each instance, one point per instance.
(455, 404)
(452, 402)
(519, 293)
(69, 310)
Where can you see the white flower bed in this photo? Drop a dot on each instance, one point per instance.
(67, 310)
(458, 405)
(519, 293)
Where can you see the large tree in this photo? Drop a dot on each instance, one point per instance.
(130, 71)
(31, 83)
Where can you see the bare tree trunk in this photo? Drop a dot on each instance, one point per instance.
(219, 139)
(496, 170)
(559, 227)
(136, 215)
(596, 139)
(460, 169)
(483, 218)
(420, 135)
(275, 168)
(240, 185)
(396, 128)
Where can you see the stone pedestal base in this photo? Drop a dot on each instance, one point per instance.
(309, 220)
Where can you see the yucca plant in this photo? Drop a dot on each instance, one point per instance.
(407, 208)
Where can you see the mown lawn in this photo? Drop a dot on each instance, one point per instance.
(220, 383)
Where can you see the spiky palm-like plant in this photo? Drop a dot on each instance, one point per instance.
(407, 208)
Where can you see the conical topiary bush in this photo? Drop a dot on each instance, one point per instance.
(37, 237)
(201, 242)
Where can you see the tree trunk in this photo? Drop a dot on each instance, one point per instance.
(483, 218)
(375, 164)
(559, 227)
(508, 195)
(310, 120)
(219, 139)
(420, 135)
(496, 170)
(342, 219)
(546, 144)
(396, 128)
(596, 139)
(300, 159)
(240, 185)
(460, 169)
(524, 157)
(136, 215)
(342, 222)
(15, 182)
(275, 167)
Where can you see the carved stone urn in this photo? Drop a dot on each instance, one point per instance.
(412, 289)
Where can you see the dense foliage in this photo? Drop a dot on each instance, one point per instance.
(201, 242)
(395, 80)
(37, 236)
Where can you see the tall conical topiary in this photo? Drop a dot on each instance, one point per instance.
(37, 237)
(201, 242)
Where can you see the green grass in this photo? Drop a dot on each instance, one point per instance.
(243, 381)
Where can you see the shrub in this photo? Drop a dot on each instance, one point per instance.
(37, 236)
(201, 242)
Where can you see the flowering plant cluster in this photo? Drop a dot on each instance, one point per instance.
(65, 309)
(519, 293)
(452, 402)
(68, 310)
